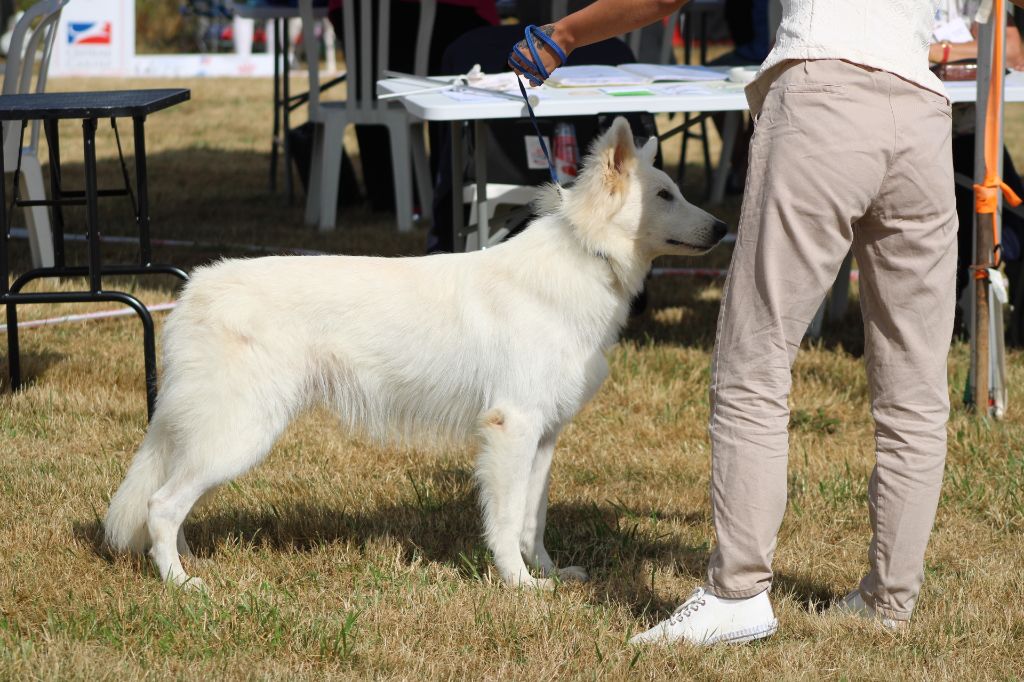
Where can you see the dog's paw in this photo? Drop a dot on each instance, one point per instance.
(530, 583)
(572, 574)
(193, 584)
(542, 584)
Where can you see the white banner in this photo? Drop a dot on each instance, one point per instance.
(95, 38)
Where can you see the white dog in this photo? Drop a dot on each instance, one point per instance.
(503, 346)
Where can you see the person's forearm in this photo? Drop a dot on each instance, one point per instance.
(957, 51)
(606, 18)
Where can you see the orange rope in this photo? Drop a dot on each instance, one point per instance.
(986, 195)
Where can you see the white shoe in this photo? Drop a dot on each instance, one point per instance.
(853, 604)
(707, 619)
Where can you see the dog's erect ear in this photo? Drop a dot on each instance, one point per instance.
(617, 152)
(649, 151)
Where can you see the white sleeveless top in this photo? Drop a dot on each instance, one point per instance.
(890, 35)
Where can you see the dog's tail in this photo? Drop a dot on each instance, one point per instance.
(125, 526)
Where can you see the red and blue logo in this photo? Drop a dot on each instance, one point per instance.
(89, 33)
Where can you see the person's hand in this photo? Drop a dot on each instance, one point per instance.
(548, 58)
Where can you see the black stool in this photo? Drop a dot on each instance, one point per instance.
(89, 107)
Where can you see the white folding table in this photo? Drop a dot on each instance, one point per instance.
(555, 102)
(558, 102)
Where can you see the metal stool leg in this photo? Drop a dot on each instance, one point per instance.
(13, 349)
(92, 213)
(11, 312)
(148, 345)
(56, 193)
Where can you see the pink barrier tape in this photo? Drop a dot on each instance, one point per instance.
(84, 317)
(22, 233)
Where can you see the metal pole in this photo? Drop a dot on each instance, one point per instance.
(142, 189)
(91, 213)
(983, 235)
(458, 180)
(483, 227)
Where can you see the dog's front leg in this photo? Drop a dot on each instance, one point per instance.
(531, 539)
(509, 440)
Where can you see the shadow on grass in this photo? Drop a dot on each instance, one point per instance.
(812, 596)
(682, 312)
(441, 523)
(618, 546)
(34, 364)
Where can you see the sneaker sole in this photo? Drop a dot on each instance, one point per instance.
(747, 634)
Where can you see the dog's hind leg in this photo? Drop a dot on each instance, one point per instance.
(531, 539)
(509, 440)
(211, 454)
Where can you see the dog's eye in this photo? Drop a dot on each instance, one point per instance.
(665, 194)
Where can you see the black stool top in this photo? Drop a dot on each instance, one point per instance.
(82, 105)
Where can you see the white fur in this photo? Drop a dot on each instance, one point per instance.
(503, 346)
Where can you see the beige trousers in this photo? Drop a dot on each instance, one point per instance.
(842, 156)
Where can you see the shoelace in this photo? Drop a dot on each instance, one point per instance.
(527, 66)
(689, 607)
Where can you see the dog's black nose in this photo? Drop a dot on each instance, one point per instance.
(719, 230)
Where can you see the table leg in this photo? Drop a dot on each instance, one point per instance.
(56, 193)
(277, 104)
(91, 213)
(483, 223)
(729, 132)
(13, 363)
(148, 346)
(4, 229)
(286, 156)
(457, 186)
(148, 335)
(142, 190)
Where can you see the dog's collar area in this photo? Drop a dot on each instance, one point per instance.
(612, 270)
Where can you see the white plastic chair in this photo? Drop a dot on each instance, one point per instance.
(361, 107)
(32, 38)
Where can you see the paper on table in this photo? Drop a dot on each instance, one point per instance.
(505, 81)
(593, 75)
(627, 90)
(674, 72)
(469, 96)
(685, 89)
(630, 74)
(460, 95)
(955, 31)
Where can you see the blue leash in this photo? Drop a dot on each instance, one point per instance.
(528, 66)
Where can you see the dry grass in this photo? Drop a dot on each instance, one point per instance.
(335, 559)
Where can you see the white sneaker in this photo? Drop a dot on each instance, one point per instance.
(707, 619)
(854, 604)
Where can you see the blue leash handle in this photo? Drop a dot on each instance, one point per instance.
(529, 65)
